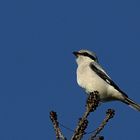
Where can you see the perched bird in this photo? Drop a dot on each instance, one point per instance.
(92, 77)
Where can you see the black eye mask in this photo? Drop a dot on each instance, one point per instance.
(88, 55)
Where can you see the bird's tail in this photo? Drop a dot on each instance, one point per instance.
(132, 104)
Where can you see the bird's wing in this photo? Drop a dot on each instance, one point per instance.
(102, 74)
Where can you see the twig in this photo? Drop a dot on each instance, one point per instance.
(53, 117)
(109, 114)
(99, 138)
(91, 105)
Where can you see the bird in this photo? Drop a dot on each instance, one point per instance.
(92, 77)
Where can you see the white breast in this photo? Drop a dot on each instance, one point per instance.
(90, 81)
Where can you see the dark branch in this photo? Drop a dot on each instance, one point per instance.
(109, 114)
(91, 105)
(53, 117)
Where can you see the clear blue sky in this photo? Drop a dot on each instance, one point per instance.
(37, 68)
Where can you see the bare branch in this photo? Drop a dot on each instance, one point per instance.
(53, 117)
(109, 114)
(91, 105)
(99, 138)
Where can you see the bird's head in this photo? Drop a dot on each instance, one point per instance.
(83, 56)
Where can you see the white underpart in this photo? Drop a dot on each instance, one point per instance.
(91, 82)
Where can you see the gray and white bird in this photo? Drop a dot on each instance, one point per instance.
(92, 77)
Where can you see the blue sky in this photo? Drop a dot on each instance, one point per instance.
(37, 75)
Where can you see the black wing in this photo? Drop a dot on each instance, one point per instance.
(95, 67)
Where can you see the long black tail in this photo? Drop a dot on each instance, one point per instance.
(132, 104)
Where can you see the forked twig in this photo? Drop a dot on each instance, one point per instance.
(91, 105)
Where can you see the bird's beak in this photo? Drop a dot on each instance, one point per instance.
(76, 53)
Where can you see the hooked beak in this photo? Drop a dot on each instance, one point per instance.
(76, 53)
